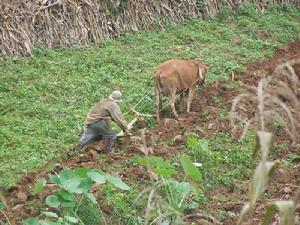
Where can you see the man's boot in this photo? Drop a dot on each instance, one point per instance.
(78, 147)
(110, 144)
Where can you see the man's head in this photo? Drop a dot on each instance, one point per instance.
(116, 96)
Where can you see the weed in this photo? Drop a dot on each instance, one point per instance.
(217, 98)
(223, 112)
(223, 161)
(123, 211)
(89, 213)
(205, 114)
(168, 199)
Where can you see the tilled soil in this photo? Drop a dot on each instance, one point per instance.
(169, 130)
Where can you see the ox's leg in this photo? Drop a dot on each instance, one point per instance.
(181, 103)
(190, 97)
(172, 102)
(158, 103)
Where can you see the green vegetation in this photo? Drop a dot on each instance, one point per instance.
(74, 200)
(167, 199)
(44, 99)
(222, 153)
(123, 210)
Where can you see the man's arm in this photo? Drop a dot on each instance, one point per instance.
(116, 115)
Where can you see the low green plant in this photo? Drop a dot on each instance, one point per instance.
(158, 165)
(294, 158)
(89, 213)
(201, 151)
(167, 198)
(224, 14)
(73, 189)
(205, 114)
(123, 211)
(220, 158)
(248, 10)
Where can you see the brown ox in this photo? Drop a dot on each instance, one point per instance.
(178, 76)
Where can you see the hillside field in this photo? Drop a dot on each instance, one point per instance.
(44, 100)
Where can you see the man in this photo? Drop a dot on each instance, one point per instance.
(98, 121)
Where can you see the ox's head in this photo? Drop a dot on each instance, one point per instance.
(202, 69)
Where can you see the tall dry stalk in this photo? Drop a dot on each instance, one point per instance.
(276, 98)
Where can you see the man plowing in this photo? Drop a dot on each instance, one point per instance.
(98, 122)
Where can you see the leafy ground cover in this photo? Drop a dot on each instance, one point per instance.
(44, 100)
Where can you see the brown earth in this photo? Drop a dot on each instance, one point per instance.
(283, 186)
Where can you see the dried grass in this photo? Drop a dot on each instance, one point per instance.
(25, 24)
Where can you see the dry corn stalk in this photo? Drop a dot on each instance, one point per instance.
(25, 24)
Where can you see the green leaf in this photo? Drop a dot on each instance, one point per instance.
(64, 195)
(92, 198)
(43, 222)
(52, 201)
(193, 205)
(189, 168)
(166, 222)
(158, 165)
(66, 199)
(294, 158)
(31, 221)
(98, 171)
(118, 182)
(97, 177)
(2, 206)
(68, 204)
(203, 145)
(82, 172)
(71, 219)
(72, 184)
(39, 185)
(151, 161)
(192, 141)
(54, 179)
(164, 172)
(85, 186)
(50, 214)
(65, 175)
(185, 187)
